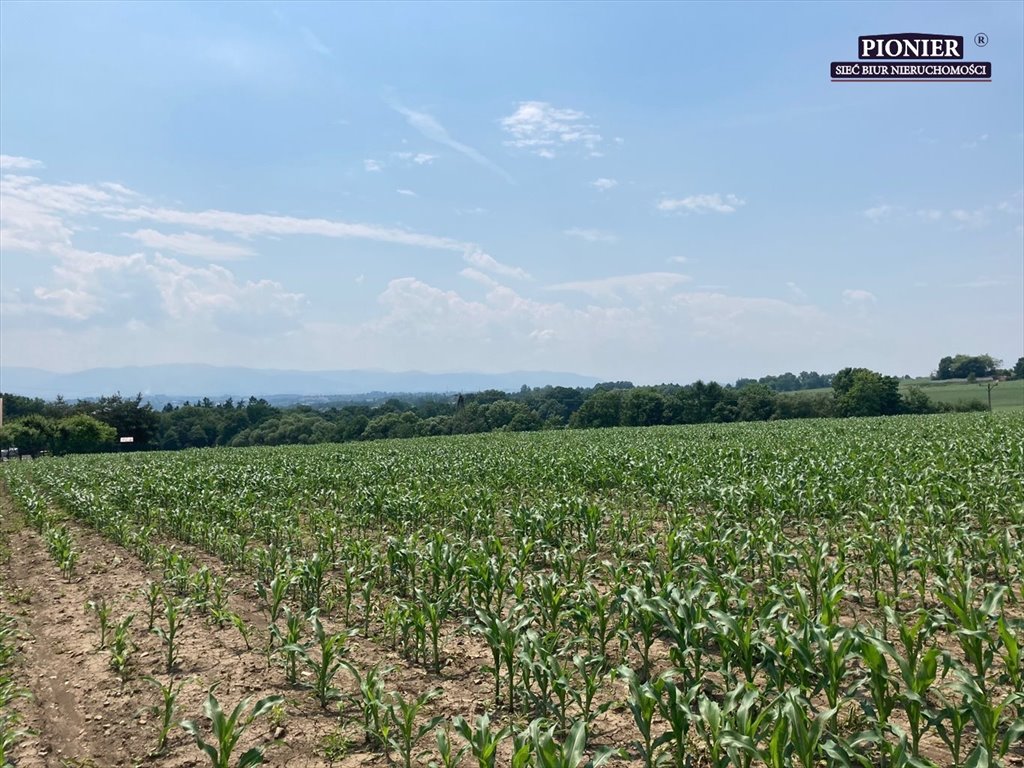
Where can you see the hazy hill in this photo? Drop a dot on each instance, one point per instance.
(198, 381)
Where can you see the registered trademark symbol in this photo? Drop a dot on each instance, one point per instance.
(981, 39)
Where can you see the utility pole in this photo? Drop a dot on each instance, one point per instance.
(990, 385)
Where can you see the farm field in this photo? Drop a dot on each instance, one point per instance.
(1009, 394)
(803, 593)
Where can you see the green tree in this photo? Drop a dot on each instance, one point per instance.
(642, 407)
(29, 434)
(1018, 369)
(863, 392)
(129, 416)
(756, 402)
(83, 434)
(601, 409)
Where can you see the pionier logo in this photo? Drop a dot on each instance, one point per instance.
(913, 57)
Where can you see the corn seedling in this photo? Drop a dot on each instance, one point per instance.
(405, 733)
(449, 756)
(227, 730)
(102, 612)
(121, 645)
(482, 740)
(165, 710)
(174, 618)
(326, 662)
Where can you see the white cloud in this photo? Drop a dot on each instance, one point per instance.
(676, 260)
(974, 219)
(984, 282)
(879, 212)
(624, 285)
(479, 277)
(419, 158)
(543, 129)
(482, 260)
(191, 244)
(14, 163)
(261, 224)
(371, 166)
(975, 143)
(33, 213)
(604, 184)
(858, 296)
(429, 127)
(406, 192)
(94, 285)
(591, 235)
(703, 203)
(797, 291)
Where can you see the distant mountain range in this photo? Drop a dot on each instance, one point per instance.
(162, 383)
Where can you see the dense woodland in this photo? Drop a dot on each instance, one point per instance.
(34, 425)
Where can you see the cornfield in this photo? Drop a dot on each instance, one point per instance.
(840, 593)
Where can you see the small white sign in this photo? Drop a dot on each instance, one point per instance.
(127, 439)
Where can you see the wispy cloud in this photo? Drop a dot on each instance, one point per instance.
(14, 163)
(619, 285)
(371, 166)
(430, 128)
(858, 296)
(191, 244)
(604, 184)
(406, 192)
(878, 212)
(484, 261)
(479, 277)
(984, 282)
(976, 142)
(796, 290)
(542, 129)
(714, 203)
(591, 235)
(314, 43)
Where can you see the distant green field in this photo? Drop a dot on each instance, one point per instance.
(1008, 394)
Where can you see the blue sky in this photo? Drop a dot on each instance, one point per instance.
(654, 192)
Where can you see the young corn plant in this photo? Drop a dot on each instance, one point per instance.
(174, 616)
(674, 706)
(503, 638)
(62, 549)
(643, 622)
(165, 710)
(571, 753)
(102, 612)
(406, 734)
(153, 593)
(121, 646)
(243, 629)
(449, 756)
(642, 704)
(287, 642)
(997, 729)
(325, 661)
(591, 676)
(481, 739)
(227, 730)
(371, 701)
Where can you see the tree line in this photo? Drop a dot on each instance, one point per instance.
(35, 425)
